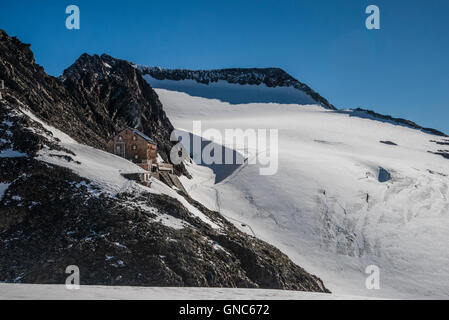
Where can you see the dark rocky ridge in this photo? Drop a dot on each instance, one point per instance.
(271, 77)
(51, 218)
(364, 113)
(27, 83)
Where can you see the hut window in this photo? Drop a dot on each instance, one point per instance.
(136, 157)
(120, 137)
(134, 147)
(134, 138)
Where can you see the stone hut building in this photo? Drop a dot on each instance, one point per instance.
(134, 146)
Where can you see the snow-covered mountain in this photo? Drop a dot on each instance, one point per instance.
(353, 188)
(235, 85)
(64, 201)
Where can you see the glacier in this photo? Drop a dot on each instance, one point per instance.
(330, 207)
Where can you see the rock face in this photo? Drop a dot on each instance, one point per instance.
(51, 218)
(271, 77)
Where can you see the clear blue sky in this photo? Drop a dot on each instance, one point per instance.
(401, 70)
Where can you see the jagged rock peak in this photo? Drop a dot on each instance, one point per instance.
(100, 66)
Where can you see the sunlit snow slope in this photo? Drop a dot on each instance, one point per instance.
(326, 207)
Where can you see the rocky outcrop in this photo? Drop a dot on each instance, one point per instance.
(26, 83)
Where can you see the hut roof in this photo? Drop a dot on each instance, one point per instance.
(141, 134)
